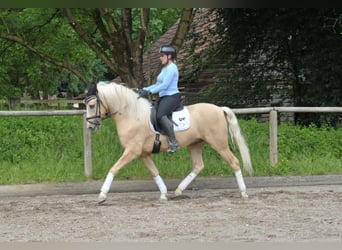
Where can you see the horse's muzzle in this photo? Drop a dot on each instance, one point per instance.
(94, 128)
(93, 124)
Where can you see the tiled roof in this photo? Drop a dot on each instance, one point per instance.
(193, 44)
(201, 25)
(151, 60)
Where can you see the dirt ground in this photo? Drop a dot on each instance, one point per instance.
(272, 214)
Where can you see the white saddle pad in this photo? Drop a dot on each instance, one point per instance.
(181, 119)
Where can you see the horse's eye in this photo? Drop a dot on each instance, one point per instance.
(91, 106)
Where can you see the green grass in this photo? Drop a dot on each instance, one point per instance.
(50, 149)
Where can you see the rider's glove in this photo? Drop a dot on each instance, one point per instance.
(143, 93)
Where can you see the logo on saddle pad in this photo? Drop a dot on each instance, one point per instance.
(181, 120)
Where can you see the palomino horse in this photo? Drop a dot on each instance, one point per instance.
(131, 114)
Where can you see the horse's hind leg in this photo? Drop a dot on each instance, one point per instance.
(197, 166)
(228, 156)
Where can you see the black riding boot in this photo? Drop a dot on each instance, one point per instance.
(168, 128)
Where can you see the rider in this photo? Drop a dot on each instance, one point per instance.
(167, 88)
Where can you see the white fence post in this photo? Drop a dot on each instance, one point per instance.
(88, 168)
(273, 138)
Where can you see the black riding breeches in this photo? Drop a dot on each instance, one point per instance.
(168, 104)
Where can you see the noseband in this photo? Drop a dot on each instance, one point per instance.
(97, 112)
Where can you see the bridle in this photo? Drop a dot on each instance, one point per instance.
(94, 119)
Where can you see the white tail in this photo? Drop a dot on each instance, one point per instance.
(238, 139)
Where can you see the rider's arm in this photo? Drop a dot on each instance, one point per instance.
(166, 79)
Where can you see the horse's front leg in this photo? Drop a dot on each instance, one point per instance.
(125, 158)
(156, 177)
(197, 166)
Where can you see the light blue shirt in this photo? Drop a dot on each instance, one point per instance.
(167, 81)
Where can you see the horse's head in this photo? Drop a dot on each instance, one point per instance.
(93, 107)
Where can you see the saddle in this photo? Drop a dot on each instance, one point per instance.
(179, 118)
(153, 118)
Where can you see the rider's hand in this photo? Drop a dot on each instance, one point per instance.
(143, 93)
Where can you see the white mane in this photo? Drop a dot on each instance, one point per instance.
(124, 100)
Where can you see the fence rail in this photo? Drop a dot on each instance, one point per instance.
(42, 112)
(273, 125)
(45, 101)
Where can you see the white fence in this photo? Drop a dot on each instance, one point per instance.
(273, 129)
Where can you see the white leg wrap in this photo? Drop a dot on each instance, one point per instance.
(108, 182)
(161, 185)
(240, 182)
(187, 180)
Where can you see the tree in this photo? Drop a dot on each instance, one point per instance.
(300, 47)
(38, 50)
(116, 36)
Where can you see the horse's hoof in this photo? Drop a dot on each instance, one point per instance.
(163, 197)
(178, 192)
(244, 195)
(102, 198)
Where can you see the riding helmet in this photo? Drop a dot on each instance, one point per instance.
(168, 50)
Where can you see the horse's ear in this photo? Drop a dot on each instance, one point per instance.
(95, 80)
(92, 89)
